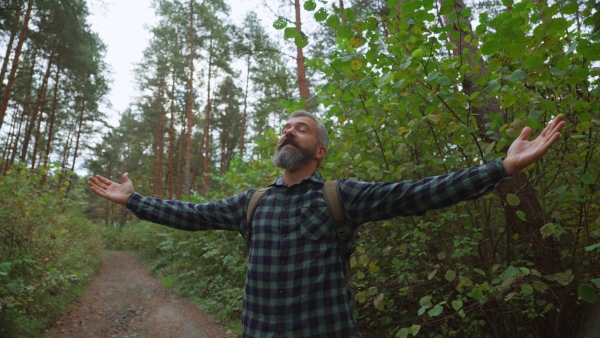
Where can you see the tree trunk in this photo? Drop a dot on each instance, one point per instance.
(41, 96)
(50, 134)
(245, 113)
(15, 63)
(159, 142)
(77, 139)
(24, 113)
(170, 165)
(344, 22)
(9, 46)
(190, 106)
(301, 69)
(207, 139)
(180, 181)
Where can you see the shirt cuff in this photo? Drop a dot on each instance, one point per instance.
(133, 201)
(497, 171)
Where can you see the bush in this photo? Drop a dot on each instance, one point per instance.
(48, 251)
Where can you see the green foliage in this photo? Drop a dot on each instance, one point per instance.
(48, 252)
(420, 96)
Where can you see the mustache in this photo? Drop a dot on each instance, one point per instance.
(289, 140)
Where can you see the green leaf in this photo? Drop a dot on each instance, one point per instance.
(588, 293)
(513, 200)
(345, 32)
(5, 269)
(333, 21)
(570, 8)
(526, 289)
(540, 286)
(280, 23)
(444, 81)
(596, 281)
(450, 275)
(436, 311)
(402, 333)
(476, 293)
(518, 75)
(592, 247)
(425, 301)
(290, 32)
(591, 51)
(415, 329)
(447, 7)
(310, 5)
(533, 61)
(490, 47)
(521, 215)
(493, 86)
(349, 14)
(431, 274)
(356, 63)
(320, 15)
(457, 304)
(587, 178)
(357, 41)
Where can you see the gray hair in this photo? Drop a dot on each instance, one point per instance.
(322, 136)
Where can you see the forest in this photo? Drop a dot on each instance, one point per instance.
(406, 88)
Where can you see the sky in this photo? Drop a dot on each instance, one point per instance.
(122, 26)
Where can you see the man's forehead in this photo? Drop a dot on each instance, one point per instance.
(301, 120)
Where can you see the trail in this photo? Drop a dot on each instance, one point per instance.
(124, 300)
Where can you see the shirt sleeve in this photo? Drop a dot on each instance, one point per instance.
(365, 201)
(226, 214)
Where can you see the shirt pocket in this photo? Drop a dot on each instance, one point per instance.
(316, 224)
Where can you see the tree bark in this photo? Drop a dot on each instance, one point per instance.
(170, 165)
(15, 63)
(344, 22)
(39, 101)
(9, 46)
(159, 142)
(301, 68)
(206, 181)
(245, 113)
(190, 105)
(50, 134)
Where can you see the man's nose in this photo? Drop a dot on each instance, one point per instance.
(290, 131)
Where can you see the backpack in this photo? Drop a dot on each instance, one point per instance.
(334, 204)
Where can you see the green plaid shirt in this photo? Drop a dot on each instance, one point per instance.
(295, 285)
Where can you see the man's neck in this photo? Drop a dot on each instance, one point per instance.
(295, 176)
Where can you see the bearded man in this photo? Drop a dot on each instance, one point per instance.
(295, 283)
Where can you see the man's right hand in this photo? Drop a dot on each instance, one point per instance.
(112, 191)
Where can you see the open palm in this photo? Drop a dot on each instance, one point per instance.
(522, 152)
(118, 193)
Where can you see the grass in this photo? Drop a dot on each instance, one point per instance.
(45, 310)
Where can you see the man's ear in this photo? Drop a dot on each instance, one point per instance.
(321, 152)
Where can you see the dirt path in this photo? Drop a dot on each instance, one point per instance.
(124, 301)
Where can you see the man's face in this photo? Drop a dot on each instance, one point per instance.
(298, 144)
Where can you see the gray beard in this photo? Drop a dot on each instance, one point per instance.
(293, 158)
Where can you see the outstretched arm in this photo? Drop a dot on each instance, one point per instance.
(522, 152)
(112, 191)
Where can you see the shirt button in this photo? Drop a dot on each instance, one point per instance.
(281, 292)
(283, 234)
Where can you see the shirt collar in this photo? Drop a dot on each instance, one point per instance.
(315, 177)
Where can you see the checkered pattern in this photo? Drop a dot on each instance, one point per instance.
(295, 286)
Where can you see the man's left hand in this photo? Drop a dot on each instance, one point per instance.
(522, 152)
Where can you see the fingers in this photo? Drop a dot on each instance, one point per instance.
(125, 177)
(555, 126)
(525, 133)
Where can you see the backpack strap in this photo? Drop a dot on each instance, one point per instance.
(334, 203)
(256, 197)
